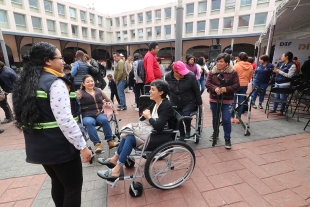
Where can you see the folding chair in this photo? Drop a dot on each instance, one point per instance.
(304, 100)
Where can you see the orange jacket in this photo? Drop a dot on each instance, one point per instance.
(245, 72)
(297, 66)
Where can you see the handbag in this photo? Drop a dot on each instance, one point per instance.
(2, 95)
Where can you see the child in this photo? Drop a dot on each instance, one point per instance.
(112, 87)
(67, 71)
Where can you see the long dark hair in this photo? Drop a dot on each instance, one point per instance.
(83, 80)
(24, 91)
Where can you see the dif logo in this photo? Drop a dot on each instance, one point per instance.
(285, 44)
(304, 47)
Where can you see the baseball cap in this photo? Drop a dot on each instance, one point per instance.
(180, 68)
(121, 54)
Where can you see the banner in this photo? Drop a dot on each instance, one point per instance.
(299, 47)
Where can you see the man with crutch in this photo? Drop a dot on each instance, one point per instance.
(222, 82)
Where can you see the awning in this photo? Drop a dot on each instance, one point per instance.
(291, 20)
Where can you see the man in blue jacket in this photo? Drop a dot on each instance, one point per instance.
(7, 79)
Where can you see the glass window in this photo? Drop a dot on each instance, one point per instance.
(33, 3)
(132, 19)
(167, 29)
(61, 9)
(228, 22)
(201, 26)
(140, 17)
(260, 18)
(100, 20)
(111, 22)
(50, 25)
(125, 35)
(17, 1)
(214, 24)
(262, 1)
(118, 35)
(158, 31)
(83, 15)
(149, 16)
(36, 22)
(168, 12)
(117, 22)
(84, 31)
(48, 6)
(93, 33)
(202, 6)
(246, 2)
(230, 3)
(72, 13)
(158, 14)
(190, 9)
(19, 19)
(140, 32)
(91, 18)
(189, 27)
(133, 33)
(216, 4)
(74, 29)
(125, 20)
(3, 17)
(63, 27)
(244, 21)
(149, 32)
(101, 35)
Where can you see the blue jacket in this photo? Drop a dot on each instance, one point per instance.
(285, 68)
(262, 73)
(78, 71)
(7, 79)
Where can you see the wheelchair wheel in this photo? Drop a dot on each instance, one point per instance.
(200, 120)
(114, 128)
(138, 188)
(169, 165)
(197, 138)
(130, 162)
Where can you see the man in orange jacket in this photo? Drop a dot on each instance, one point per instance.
(151, 67)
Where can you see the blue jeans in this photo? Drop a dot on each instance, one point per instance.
(280, 96)
(226, 111)
(202, 83)
(124, 149)
(241, 90)
(263, 86)
(121, 93)
(91, 123)
(187, 123)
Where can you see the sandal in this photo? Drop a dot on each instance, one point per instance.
(260, 106)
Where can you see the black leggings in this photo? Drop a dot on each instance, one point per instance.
(67, 180)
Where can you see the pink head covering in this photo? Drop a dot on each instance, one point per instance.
(180, 68)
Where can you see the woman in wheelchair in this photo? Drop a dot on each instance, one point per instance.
(91, 108)
(158, 114)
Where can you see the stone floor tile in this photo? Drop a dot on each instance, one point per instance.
(255, 158)
(24, 203)
(256, 170)
(4, 185)
(277, 168)
(192, 194)
(230, 195)
(245, 174)
(225, 179)
(154, 195)
(303, 191)
(230, 155)
(259, 186)
(290, 179)
(273, 184)
(16, 194)
(21, 182)
(117, 201)
(207, 168)
(214, 198)
(177, 202)
(285, 198)
(239, 204)
(201, 181)
(228, 166)
(272, 148)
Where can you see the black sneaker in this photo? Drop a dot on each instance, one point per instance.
(227, 144)
(211, 137)
(121, 109)
(181, 138)
(6, 121)
(187, 135)
(1, 130)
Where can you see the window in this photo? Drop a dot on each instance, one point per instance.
(140, 32)
(100, 20)
(168, 13)
(83, 15)
(101, 35)
(140, 17)
(246, 2)
(133, 33)
(19, 19)
(262, 1)
(216, 4)
(125, 35)
(202, 7)
(189, 27)
(228, 22)
(158, 31)
(125, 20)
(50, 25)
(158, 14)
(36, 22)
(190, 9)
(74, 29)
(3, 17)
(84, 31)
(214, 24)
(118, 35)
(61, 9)
(72, 13)
(230, 3)
(149, 16)
(63, 27)
(48, 6)
(117, 22)
(111, 22)
(149, 32)
(168, 29)
(91, 18)
(93, 33)
(132, 19)
(33, 3)
(244, 21)
(17, 1)
(201, 26)
(260, 18)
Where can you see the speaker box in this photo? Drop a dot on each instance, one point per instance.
(215, 50)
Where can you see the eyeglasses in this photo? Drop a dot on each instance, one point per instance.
(61, 58)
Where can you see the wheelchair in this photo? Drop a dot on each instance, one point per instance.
(114, 126)
(167, 166)
(197, 115)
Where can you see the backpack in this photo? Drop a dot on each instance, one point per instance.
(140, 70)
(102, 70)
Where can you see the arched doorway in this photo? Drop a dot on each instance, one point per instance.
(69, 54)
(100, 54)
(166, 55)
(24, 50)
(244, 47)
(10, 55)
(141, 51)
(199, 51)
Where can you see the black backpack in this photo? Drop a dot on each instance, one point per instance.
(140, 70)
(102, 70)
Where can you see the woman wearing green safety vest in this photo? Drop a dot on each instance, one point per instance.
(45, 106)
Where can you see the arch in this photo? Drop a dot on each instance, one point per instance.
(10, 55)
(199, 51)
(166, 55)
(25, 49)
(69, 54)
(142, 51)
(242, 47)
(100, 54)
(124, 52)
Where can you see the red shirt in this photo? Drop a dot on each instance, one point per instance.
(151, 67)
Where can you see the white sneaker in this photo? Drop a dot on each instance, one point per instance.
(137, 109)
(134, 105)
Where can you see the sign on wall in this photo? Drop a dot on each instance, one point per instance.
(300, 49)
